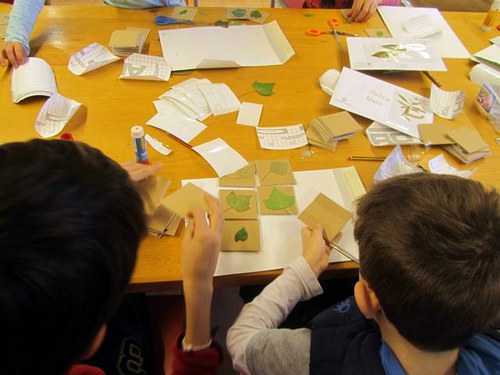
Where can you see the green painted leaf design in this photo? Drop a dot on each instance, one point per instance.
(382, 55)
(241, 235)
(262, 88)
(222, 23)
(394, 47)
(239, 12)
(184, 11)
(255, 14)
(238, 202)
(279, 168)
(379, 33)
(278, 200)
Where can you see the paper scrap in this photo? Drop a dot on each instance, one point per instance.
(32, 79)
(328, 80)
(145, 67)
(157, 145)
(282, 137)
(249, 114)
(177, 124)
(90, 58)
(188, 197)
(241, 235)
(439, 165)
(421, 27)
(223, 158)
(446, 104)
(54, 115)
(394, 165)
(220, 98)
(380, 135)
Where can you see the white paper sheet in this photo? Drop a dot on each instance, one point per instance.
(249, 114)
(54, 115)
(34, 78)
(146, 68)
(223, 158)
(280, 234)
(489, 56)
(446, 42)
(446, 104)
(90, 58)
(217, 47)
(393, 54)
(282, 137)
(380, 101)
(177, 124)
(220, 98)
(439, 165)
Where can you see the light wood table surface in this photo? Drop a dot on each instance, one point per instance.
(111, 106)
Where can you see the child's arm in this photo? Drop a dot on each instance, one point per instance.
(22, 19)
(268, 310)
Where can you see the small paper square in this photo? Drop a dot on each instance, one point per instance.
(435, 134)
(188, 197)
(241, 235)
(249, 114)
(467, 138)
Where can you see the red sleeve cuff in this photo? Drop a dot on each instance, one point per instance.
(200, 362)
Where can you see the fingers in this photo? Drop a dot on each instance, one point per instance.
(362, 10)
(16, 54)
(215, 212)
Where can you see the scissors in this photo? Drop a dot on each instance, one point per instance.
(316, 32)
(164, 20)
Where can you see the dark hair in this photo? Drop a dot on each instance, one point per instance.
(70, 224)
(429, 248)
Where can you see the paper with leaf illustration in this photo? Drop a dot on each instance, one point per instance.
(188, 197)
(380, 101)
(216, 47)
(393, 54)
(244, 177)
(277, 200)
(241, 235)
(238, 204)
(184, 13)
(275, 172)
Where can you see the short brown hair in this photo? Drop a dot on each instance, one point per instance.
(429, 248)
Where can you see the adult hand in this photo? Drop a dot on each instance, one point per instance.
(315, 249)
(201, 244)
(363, 10)
(138, 172)
(13, 52)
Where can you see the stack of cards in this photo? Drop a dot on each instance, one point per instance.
(126, 42)
(326, 131)
(470, 146)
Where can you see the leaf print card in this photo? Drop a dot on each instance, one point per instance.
(377, 33)
(277, 200)
(241, 235)
(237, 14)
(238, 204)
(393, 54)
(275, 172)
(244, 177)
(258, 15)
(184, 13)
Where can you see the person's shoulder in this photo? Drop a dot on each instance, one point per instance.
(481, 355)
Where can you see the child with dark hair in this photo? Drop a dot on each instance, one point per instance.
(71, 221)
(428, 291)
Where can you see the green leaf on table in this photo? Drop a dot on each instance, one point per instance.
(238, 202)
(184, 11)
(308, 15)
(279, 200)
(239, 12)
(241, 235)
(263, 88)
(255, 14)
(279, 168)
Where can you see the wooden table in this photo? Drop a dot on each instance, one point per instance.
(111, 106)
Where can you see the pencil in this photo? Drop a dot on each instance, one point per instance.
(367, 158)
(180, 140)
(344, 252)
(434, 80)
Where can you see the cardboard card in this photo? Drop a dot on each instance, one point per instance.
(468, 138)
(145, 32)
(315, 139)
(237, 14)
(238, 204)
(241, 235)
(184, 13)
(152, 190)
(188, 197)
(244, 177)
(377, 33)
(160, 220)
(435, 134)
(275, 172)
(125, 39)
(258, 15)
(340, 123)
(326, 212)
(275, 200)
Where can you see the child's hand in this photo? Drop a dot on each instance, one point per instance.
(315, 249)
(201, 244)
(138, 172)
(363, 10)
(14, 52)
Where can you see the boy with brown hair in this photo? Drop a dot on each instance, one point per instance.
(429, 288)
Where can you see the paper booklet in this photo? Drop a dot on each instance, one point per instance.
(217, 47)
(35, 78)
(383, 102)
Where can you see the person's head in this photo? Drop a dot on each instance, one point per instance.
(429, 250)
(70, 224)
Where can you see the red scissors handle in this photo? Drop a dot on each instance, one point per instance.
(316, 32)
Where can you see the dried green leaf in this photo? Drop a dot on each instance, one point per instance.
(262, 88)
(239, 12)
(279, 168)
(382, 55)
(241, 235)
(238, 202)
(255, 14)
(184, 11)
(308, 15)
(222, 23)
(395, 47)
(278, 200)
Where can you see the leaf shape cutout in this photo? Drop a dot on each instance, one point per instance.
(241, 235)
(238, 202)
(262, 88)
(382, 55)
(278, 200)
(279, 168)
(183, 11)
(255, 14)
(239, 12)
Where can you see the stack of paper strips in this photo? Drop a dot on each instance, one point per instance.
(470, 146)
(423, 23)
(54, 115)
(393, 54)
(380, 101)
(326, 131)
(380, 135)
(90, 58)
(34, 78)
(216, 47)
(126, 42)
(489, 56)
(145, 67)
